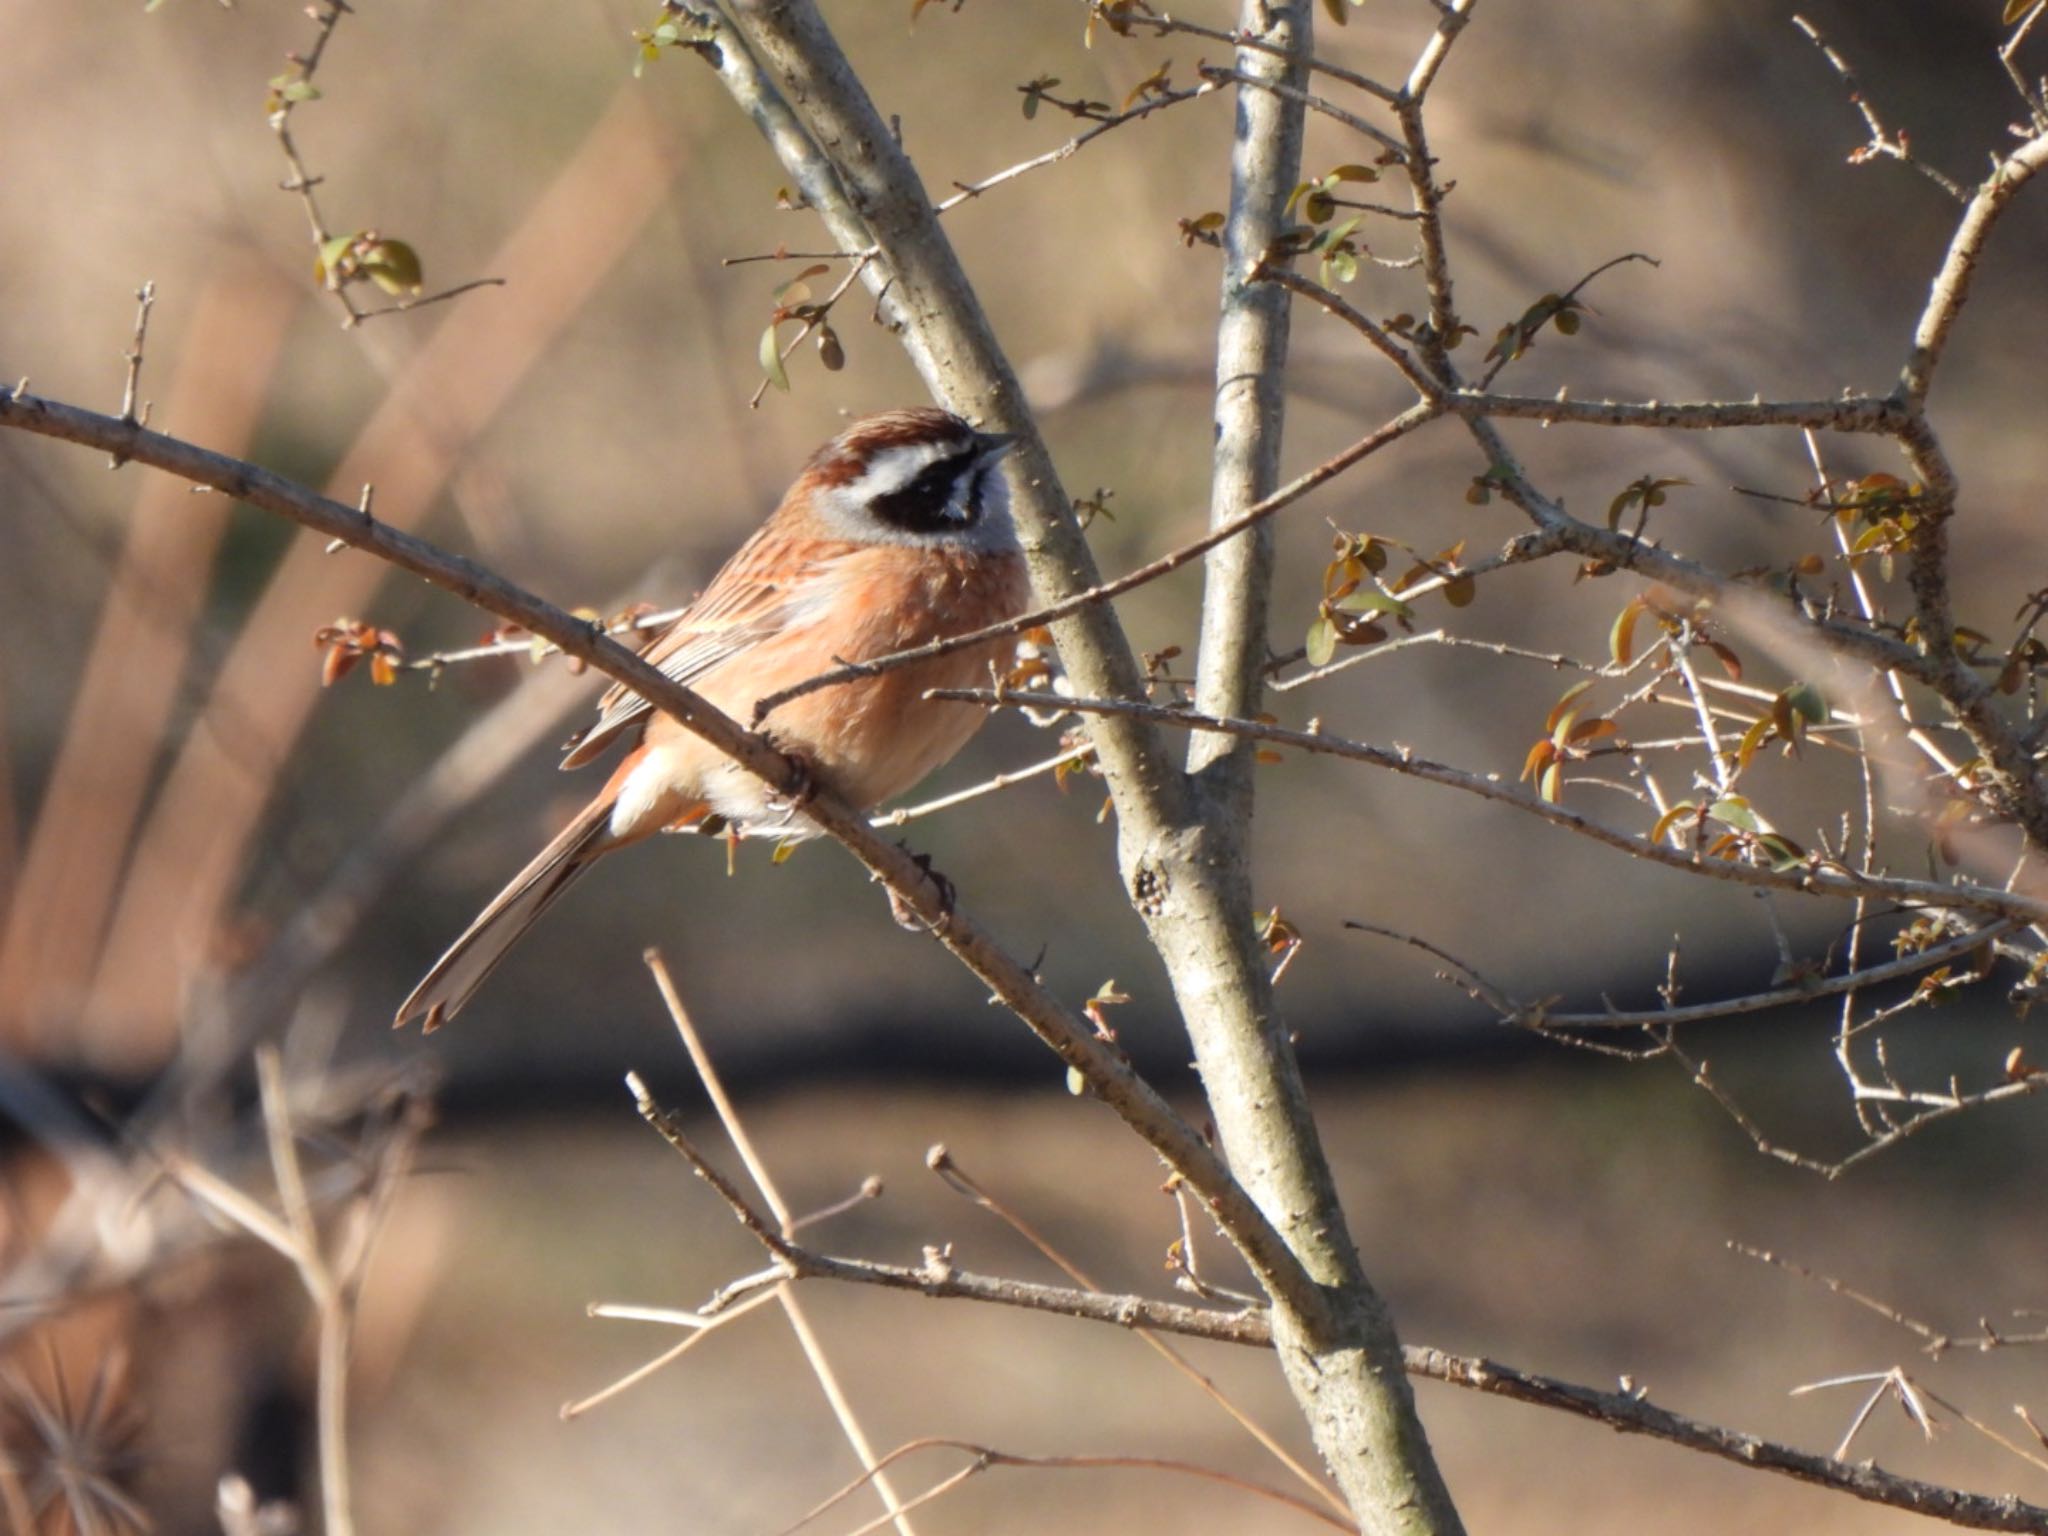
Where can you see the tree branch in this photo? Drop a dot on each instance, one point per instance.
(949, 339)
(1067, 1033)
(1626, 1412)
(1198, 905)
(1812, 878)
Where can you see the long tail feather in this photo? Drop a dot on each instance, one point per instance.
(471, 958)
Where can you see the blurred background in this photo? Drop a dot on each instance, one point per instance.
(201, 848)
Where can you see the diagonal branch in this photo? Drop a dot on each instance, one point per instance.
(1067, 1033)
(782, 50)
(1626, 1412)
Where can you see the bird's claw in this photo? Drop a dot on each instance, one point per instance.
(906, 915)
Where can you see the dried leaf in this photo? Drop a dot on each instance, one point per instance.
(1564, 703)
(1621, 639)
(1671, 818)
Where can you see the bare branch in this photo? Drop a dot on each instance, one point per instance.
(145, 298)
(1894, 146)
(1069, 1035)
(1951, 289)
(1807, 991)
(937, 1276)
(942, 1162)
(1815, 877)
(985, 1456)
(1218, 75)
(971, 190)
(1850, 413)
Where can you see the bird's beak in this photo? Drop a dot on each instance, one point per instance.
(994, 445)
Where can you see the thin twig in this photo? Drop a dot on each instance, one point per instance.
(1813, 877)
(908, 813)
(986, 1456)
(757, 1170)
(1390, 145)
(668, 1356)
(145, 299)
(1390, 432)
(1894, 146)
(942, 1162)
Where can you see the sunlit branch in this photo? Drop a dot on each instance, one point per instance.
(1813, 877)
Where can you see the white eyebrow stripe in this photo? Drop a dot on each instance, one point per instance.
(895, 467)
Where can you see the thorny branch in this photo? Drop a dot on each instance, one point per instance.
(1816, 875)
(1069, 1035)
(1628, 1411)
(288, 92)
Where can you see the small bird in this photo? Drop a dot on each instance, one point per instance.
(897, 533)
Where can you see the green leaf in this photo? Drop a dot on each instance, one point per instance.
(1807, 700)
(1375, 602)
(393, 266)
(771, 361)
(1460, 590)
(1322, 642)
(1783, 853)
(333, 256)
(1735, 811)
(798, 289)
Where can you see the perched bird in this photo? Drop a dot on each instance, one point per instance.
(897, 533)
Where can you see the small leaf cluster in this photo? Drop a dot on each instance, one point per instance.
(1158, 83)
(1355, 604)
(1641, 494)
(793, 300)
(1742, 832)
(1115, 15)
(287, 91)
(1879, 516)
(1569, 733)
(348, 642)
(1041, 90)
(1560, 311)
(1422, 332)
(676, 27)
(365, 255)
(1334, 245)
(1675, 614)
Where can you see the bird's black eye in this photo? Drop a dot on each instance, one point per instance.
(922, 504)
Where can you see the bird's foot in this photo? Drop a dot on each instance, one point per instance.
(906, 915)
